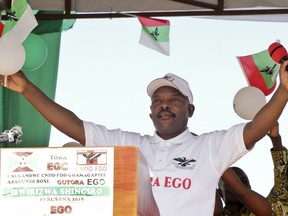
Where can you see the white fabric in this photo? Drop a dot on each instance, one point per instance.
(24, 26)
(162, 47)
(180, 188)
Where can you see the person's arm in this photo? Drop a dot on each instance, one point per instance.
(255, 202)
(218, 210)
(60, 117)
(279, 156)
(269, 114)
(275, 137)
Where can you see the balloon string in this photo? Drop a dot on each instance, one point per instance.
(5, 81)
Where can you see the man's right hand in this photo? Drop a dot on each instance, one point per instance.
(16, 82)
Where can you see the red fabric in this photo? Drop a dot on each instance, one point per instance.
(152, 22)
(1, 28)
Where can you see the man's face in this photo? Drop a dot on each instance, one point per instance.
(170, 111)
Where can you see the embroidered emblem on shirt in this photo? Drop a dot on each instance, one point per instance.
(184, 163)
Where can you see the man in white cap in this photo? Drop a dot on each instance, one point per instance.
(184, 168)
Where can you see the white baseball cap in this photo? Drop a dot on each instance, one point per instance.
(174, 81)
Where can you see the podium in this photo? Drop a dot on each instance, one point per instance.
(75, 181)
(132, 196)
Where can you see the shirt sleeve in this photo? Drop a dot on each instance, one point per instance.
(227, 147)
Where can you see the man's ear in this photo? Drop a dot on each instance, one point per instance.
(191, 108)
(150, 115)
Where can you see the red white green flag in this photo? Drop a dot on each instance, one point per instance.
(155, 34)
(260, 71)
(16, 30)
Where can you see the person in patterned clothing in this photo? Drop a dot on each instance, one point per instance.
(239, 199)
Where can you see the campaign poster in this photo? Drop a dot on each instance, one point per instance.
(57, 181)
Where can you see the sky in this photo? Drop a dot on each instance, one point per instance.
(104, 72)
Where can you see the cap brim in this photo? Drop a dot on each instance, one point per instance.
(154, 85)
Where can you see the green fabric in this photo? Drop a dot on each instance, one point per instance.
(159, 33)
(268, 68)
(15, 110)
(53, 25)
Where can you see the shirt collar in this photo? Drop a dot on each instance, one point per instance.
(181, 138)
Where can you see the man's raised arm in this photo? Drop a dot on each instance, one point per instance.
(270, 113)
(61, 118)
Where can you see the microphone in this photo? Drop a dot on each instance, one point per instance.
(278, 53)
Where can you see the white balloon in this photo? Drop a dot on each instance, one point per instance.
(11, 60)
(248, 101)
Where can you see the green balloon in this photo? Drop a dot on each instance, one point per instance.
(36, 52)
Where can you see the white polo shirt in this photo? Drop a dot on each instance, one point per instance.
(184, 170)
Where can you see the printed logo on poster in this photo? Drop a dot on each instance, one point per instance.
(22, 162)
(92, 157)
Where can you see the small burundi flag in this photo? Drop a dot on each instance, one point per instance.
(19, 27)
(260, 71)
(155, 34)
